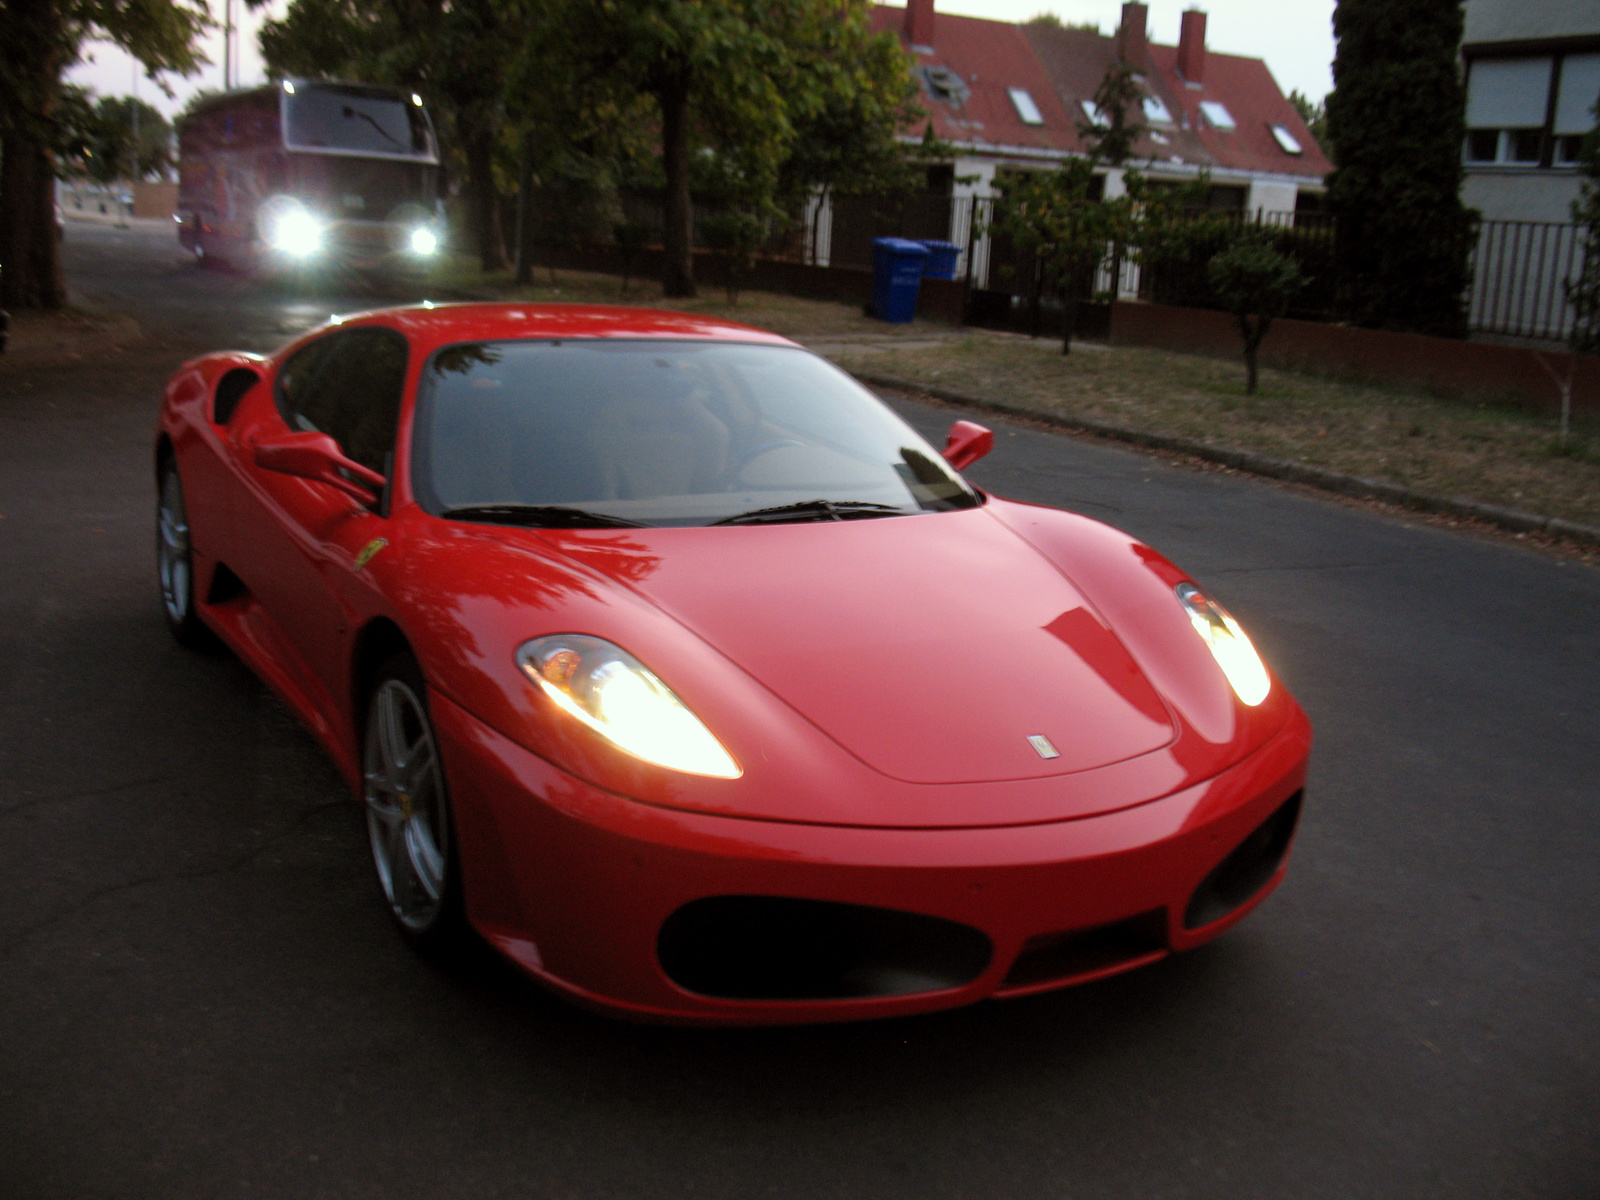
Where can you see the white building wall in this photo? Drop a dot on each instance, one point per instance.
(1270, 196)
(1530, 195)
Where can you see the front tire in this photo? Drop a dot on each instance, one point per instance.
(409, 824)
(175, 562)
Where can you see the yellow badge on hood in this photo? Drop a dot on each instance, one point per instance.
(370, 551)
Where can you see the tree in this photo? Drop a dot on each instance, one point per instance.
(1060, 215)
(1255, 282)
(1396, 122)
(1118, 101)
(1584, 292)
(40, 40)
(128, 139)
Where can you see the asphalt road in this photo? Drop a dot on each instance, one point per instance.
(200, 995)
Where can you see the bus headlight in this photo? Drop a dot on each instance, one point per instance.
(297, 233)
(424, 241)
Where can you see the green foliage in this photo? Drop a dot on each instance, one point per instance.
(1049, 20)
(1255, 282)
(126, 139)
(1584, 292)
(1396, 122)
(1119, 100)
(735, 235)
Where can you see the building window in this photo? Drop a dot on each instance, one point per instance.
(1218, 116)
(1156, 112)
(1026, 108)
(1483, 145)
(1287, 142)
(1523, 146)
(1567, 149)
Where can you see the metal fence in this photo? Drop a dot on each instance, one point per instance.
(1520, 274)
(1521, 270)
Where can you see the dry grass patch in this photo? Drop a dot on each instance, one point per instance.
(1486, 452)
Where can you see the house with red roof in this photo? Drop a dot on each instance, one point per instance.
(1011, 96)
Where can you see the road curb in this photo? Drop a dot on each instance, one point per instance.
(1262, 464)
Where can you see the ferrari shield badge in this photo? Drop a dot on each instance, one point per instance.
(1042, 744)
(370, 551)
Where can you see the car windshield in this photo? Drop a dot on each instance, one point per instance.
(664, 433)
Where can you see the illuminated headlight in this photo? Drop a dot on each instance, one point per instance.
(606, 688)
(424, 241)
(297, 233)
(1228, 643)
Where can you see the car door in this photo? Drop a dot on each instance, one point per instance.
(303, 541)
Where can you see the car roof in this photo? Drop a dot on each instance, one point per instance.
(429, 326)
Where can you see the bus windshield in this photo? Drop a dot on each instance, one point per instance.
(356, 120)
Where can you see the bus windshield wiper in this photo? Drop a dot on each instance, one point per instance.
(813, 510)
(541, 516)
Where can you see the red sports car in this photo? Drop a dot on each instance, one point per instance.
(667, 658)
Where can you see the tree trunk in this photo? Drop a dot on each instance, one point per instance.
(30, 255)
(1069, 319)
(485, 206)
(677, 237)
(525, 213)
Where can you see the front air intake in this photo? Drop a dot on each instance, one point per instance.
(777, 948)
(1253, 863)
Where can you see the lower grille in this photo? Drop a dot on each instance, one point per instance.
(777, 948)
(1247, 870)
(1053, 957)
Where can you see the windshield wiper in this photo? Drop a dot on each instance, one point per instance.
(541, 516)
(813, 510)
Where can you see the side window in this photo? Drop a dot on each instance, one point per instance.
(348, 386)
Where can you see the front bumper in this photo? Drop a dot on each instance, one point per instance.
(575, 884)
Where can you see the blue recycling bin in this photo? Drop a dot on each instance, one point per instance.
(942, 258)
(896, 278)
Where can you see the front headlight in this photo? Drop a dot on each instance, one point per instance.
(1228, 644)
(617, 696)
(297, 233)
(424, 241)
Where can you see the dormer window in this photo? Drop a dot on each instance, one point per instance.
(1287, 142)
(1156, 112)
(944, 84)
(1218, 116)
(1026, 108)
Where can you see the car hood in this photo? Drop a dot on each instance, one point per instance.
(940, 648)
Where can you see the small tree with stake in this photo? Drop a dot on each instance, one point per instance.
(1256, 282)
(1584, 292)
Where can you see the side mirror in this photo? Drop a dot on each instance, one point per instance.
(966, 443)
(316, 456)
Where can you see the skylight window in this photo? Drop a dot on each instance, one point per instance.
(1156, 112)
(1026, 108)
(1092, 111)
(1286, 140)
(1218, 116)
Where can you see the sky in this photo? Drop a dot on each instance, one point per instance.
(1295, 37)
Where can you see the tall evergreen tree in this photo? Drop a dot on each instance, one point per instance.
(1396, 122)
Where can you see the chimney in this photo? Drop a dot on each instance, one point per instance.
(1131, 38)
(919, 22)
(1192, 47)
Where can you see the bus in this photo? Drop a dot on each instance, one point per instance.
(302, 174)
